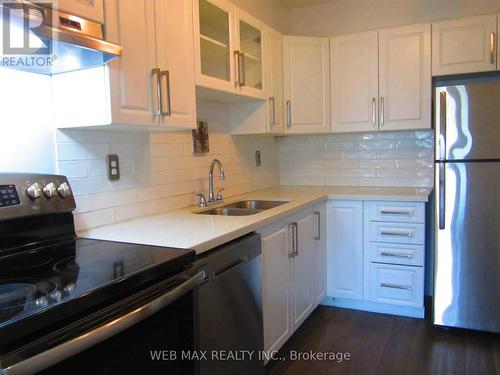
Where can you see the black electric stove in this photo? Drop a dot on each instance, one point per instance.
(50, 278)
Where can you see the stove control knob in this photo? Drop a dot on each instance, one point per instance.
(50, 190)
(64, 190)
(41, 302)
(34, 191)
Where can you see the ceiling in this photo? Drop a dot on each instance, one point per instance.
(291, 4)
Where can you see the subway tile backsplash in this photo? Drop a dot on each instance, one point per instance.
(158, 170)
(403, 158)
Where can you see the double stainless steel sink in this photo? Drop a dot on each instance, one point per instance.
(242, 208)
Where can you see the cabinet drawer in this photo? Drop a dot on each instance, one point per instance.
(405, 233)
(397, 285)
(401, 212)
(411, 255)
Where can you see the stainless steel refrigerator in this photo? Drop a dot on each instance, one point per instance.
(467, 205)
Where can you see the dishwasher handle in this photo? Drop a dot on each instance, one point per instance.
(87, 340)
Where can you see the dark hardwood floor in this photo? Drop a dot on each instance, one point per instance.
(385, 344)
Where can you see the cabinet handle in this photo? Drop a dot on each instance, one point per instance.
(318, 217)
(291, 231)
(397, 212)
(273, 111)
(165, 74)
(400, 234)
(395, 286)
(374, 111)
(155, 81)
(296, 229)
(382, 112)
(288, 114)
(396, 255)
(492, 47)
(241, 65)
(236, 55)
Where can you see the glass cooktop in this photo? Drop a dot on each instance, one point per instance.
(35, 281)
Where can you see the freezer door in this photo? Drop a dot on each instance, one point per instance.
(467, 121)
(467, 259)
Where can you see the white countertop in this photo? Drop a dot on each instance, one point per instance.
(184, 229)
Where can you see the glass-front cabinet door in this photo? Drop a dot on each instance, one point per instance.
(214, 44)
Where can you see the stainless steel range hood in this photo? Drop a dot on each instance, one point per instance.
(66, 42)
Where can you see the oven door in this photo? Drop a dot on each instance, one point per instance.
(145, 333)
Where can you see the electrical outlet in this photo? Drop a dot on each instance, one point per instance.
(113, 167)
(257, 158)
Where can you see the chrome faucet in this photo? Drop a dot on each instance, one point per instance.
(211, 195)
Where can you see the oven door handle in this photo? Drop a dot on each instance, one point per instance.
(61, 352)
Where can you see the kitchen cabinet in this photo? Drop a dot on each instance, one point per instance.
(306, 75)
(150, 86)
(382, 80)
(229, 52)
(274, 47)
(91, 9)
(464, 45)
(319, 257)
(345, 249)
(291, 257)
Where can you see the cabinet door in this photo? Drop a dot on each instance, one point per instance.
(133, 86)
(354, 62)
(91, 9)
(319, 259)
(274, 82)
(345, 249)
(249, 65)
(214, 40)
(405, 78)
(174, 37)
(306, 84)
(464, 45)
(302, 285)
(275, 277)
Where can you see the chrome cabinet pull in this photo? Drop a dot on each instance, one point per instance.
(395, 286)
(272, 110)
(492, 47)
(396, 255)
(318, 217)
(288, 114)
(241, 65)
(236, 55)
(374, 111)
(89, 339)
(382, 112)
(296, 229)
(291, 254)
(391, 212)
(400, 234)
(168, 112)
(155, 81)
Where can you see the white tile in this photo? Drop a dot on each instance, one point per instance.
(93, 202)
(73, 169)
(81, 151)
(93, 219)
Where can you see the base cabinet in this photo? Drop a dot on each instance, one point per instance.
(376, 256)
(294, 273)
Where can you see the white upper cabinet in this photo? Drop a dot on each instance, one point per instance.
(405, 78)
(134, 76)
(91, 9)
(354, 61)
(175, 50)
(464, 45)
(306, 75)
(229, 50)
(274, 80)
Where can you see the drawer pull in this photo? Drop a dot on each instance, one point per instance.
(399, 234)
(395, 286)
(396, 255)
(397, 212)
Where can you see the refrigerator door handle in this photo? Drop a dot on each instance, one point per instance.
(442, 195)
(442, 125)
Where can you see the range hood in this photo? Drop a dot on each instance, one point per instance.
(65, 42)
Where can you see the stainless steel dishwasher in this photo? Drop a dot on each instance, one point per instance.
(230, 308)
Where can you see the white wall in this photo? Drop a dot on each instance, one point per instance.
(27, 139)
(159, 171)
(358, 159)
(345, 16)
